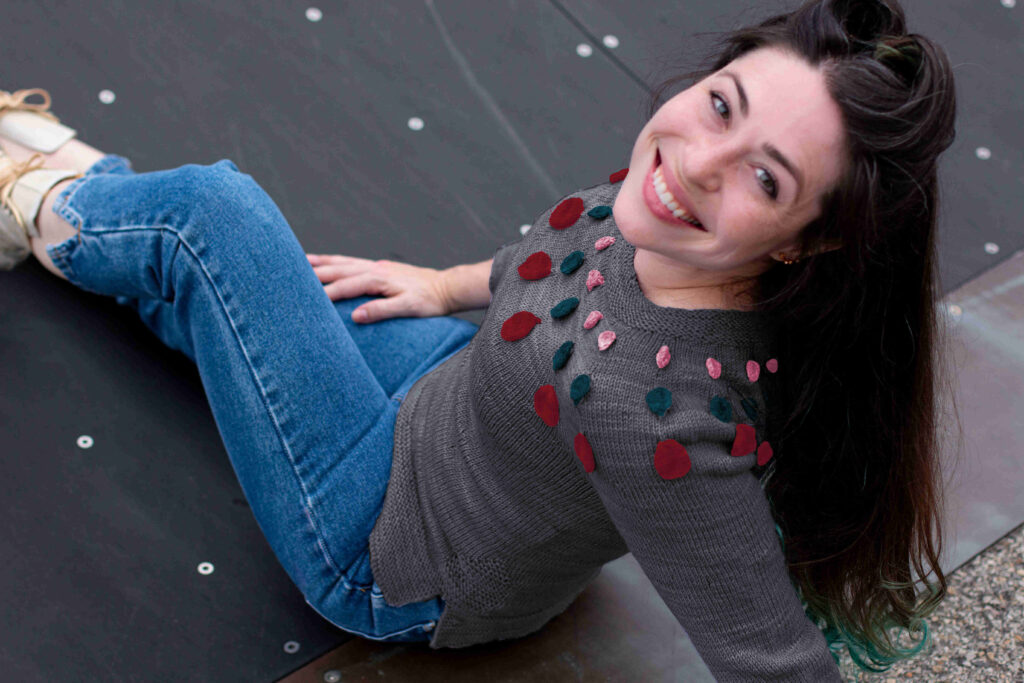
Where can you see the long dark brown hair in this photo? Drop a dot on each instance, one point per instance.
(855, 484)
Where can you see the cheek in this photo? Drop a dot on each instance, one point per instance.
(747, 228)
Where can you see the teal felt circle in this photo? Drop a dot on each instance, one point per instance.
(565, 307)
(571, 262)
(659, 400)
(600, 212)
(750, 407)
(721, 409)
(580, 387)
(562, 355)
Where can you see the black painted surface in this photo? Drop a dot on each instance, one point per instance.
(101, 545)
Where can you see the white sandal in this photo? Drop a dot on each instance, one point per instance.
(32, 125)
(23, 185)
(22, 188)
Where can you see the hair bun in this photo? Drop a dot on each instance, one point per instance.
(902, 54)
(865, 20)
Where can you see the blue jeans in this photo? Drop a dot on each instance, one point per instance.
(304, 399)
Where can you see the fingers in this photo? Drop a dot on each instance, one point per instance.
(335, 259)
(346, 287)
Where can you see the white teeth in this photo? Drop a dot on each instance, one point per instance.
(661, 189)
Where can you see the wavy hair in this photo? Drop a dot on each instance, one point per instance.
(855, 485)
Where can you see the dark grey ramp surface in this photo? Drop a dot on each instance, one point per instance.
(106, 541)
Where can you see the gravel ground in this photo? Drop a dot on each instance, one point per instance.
(977, 632)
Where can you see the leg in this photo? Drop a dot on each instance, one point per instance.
(307, 427)
(425, 342)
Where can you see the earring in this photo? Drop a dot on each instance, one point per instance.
(788, 262)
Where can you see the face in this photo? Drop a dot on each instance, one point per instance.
(725, 167)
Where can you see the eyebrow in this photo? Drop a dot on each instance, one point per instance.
(769, 148)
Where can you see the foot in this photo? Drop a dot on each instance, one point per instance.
(74, 154)
(24, 189)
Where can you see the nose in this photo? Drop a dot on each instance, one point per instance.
(705, 161)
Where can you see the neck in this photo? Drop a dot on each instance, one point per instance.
(666, 284)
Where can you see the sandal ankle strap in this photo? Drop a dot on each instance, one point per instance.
(16, 102)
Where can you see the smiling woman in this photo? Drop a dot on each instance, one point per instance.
(421, 479)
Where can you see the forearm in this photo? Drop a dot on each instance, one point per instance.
(466, 285)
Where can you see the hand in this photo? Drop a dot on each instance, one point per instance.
(412, 291)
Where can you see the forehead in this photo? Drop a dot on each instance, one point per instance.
(790, 108)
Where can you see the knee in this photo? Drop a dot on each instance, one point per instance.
(222, 192)
(215, 184)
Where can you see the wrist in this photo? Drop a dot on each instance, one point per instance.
(465, 286)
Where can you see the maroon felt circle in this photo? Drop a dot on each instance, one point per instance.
(536, 266)
(566, 213)
(545, 404)
(671, 459)
(745, 441)
(584, 452)
(518, 325)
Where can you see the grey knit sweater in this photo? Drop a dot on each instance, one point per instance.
(583, 422)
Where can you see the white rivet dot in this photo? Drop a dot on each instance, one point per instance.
(291, 647)
(524, 228)
(991, 247)
(332, 676)
(313, 14)
(1009, 3)
(416, 123)
(107, 96)
(584, 50)
(955, 310)
(84, 441)
(983, 152)
(610, 41)
(205, 568)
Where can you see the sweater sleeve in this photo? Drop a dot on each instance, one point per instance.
(502, 262)
(707, 542)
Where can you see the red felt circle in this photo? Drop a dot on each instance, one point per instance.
(618, 176)
(518, 325)
(536, 266)
(584, 452)
(671, 459)
(566, 213)
(745, 441)
(764, 453)
(545, 404)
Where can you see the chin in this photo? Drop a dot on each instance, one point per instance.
(630, 217)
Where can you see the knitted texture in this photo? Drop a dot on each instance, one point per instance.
(583, 422)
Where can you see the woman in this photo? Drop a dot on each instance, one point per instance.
(729, 375)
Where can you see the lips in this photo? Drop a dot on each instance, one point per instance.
(675, 188)
(654, 203)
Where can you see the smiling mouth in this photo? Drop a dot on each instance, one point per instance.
(661, 202)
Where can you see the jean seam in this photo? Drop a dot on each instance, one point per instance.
(307, 503)
(364, 634)
(307, 508)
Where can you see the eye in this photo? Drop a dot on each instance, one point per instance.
(724, 112)
(715, 97)
(774, 191)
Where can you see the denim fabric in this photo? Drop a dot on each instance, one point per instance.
(304, 399)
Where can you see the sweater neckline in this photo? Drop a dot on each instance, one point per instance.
(628, 302)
